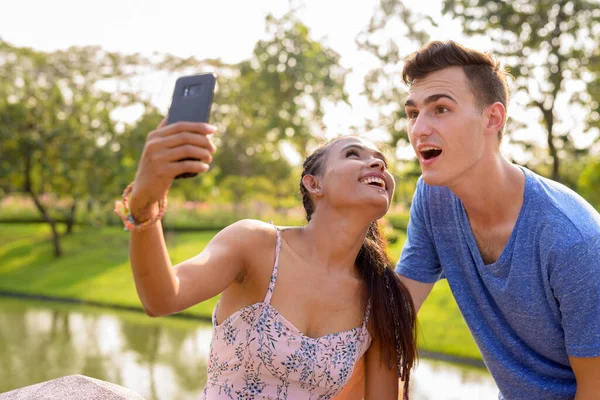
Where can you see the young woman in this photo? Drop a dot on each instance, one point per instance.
(299, 306)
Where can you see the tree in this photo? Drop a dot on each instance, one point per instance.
(276, 97)
(551, 48)
(56, 128)
(59, 136)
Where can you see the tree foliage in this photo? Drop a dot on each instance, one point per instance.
(589, 182)
(275, 99)
(59, 136)
(57, 133)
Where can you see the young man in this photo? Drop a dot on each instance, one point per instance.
(521, 253)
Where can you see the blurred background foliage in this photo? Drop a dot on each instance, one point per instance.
(65, 157)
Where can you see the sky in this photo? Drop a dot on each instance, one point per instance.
(226, 29)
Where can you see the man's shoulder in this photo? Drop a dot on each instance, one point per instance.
(559, 210)
(561, 222)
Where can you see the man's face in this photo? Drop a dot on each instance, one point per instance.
(445, 126)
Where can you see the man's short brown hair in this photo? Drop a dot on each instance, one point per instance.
(483, 71)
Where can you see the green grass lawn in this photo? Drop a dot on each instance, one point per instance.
(95, 268)
(95, 265)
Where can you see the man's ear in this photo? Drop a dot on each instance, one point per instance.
(312, 185)
(496, 117)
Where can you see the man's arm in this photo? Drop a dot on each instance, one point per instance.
(419, 266)
(587, 373)
(576, 286)
(418, 290)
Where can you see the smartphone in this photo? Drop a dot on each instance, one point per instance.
(192, 99)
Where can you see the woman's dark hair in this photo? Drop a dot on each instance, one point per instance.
(393, 315)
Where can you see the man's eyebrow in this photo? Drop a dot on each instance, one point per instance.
(361, 147)
(431, 99)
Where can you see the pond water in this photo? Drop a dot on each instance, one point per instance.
(160, 359)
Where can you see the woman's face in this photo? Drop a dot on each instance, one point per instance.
(355, 174)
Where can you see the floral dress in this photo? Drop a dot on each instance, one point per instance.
(257, 353)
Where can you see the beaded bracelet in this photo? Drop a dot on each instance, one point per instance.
(122, 210)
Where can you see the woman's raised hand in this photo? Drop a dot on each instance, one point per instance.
(161, 162)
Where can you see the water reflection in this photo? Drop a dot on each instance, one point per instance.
(437, 380)
(158, 358)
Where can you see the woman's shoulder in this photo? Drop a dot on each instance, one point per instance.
(252, 227)
(250, 232)
(256, 240)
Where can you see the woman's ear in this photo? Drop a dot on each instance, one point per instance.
(312, 185)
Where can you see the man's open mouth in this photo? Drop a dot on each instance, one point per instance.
(430, 152)
(373, 181)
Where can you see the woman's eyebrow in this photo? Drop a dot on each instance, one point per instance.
(378, 154)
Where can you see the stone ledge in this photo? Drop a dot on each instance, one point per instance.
(72, 387)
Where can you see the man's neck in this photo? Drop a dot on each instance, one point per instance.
(492, 194)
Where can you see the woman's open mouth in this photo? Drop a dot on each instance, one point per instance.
(373, 181)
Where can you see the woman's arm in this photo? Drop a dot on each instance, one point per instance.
(162, 288)
(381, 382)
(355, 388)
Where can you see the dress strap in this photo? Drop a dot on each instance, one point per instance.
(275, 267)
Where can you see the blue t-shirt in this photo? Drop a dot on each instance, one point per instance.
(538, 304)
